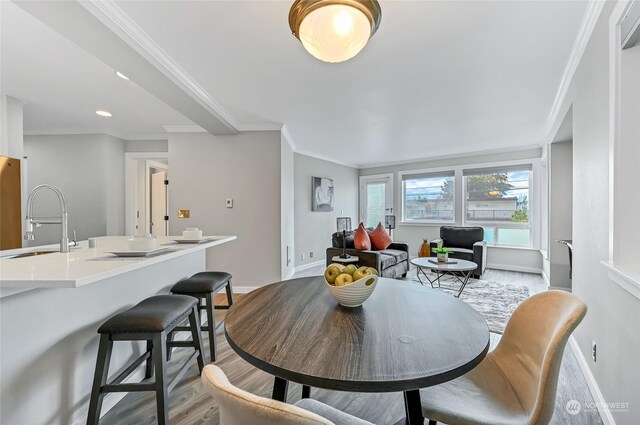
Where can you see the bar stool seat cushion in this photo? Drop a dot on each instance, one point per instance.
(201, 283)
(154, 314)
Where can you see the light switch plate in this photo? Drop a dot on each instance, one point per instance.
(229, 203)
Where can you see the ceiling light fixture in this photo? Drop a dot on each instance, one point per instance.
(334, 30)
(121, 75)
(104, 113)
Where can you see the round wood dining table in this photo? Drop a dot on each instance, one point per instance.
(403, 338)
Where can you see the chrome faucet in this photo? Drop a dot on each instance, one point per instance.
(30, 220)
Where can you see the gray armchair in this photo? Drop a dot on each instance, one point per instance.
(392, 262)
(466, 243)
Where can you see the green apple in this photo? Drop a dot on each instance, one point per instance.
(331, 273)
(338, 265)
(360, 273)
(372, 270)
(350, 269)
(344, 279)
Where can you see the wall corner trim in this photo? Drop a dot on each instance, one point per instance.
(601, 404)
(624, 280)
(588, 24)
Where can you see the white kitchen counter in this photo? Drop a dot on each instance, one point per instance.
(82, 265)
(50, 309)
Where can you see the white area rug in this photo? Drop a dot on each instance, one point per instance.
(495, 301)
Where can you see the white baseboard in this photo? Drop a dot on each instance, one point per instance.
(601, 404)
(512, 268)
(310, 265)
(545, 278)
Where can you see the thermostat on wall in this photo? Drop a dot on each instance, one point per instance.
(229, 203)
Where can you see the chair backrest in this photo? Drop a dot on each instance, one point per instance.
(460, 236)
(238, 407)
(530, 351)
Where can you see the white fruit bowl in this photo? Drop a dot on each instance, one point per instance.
(354, 294)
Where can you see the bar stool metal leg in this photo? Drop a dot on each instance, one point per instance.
(211, 326)
(229, 290)
(99, 379)
(148, 368)
(160, 364)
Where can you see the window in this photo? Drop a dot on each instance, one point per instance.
(428, 197)
(498, 199)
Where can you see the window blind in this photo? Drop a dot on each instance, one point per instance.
(417, 176)
(496, 170)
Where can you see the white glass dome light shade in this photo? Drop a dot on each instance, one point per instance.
(335, 33)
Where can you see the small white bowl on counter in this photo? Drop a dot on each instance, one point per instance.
(192, 233)
(143, 243)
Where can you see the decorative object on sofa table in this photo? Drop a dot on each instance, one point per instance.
(344, 226)
(425, 249)
(390, 222)
(442, 254)
(321, 194)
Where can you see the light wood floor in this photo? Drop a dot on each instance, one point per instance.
(189, 404)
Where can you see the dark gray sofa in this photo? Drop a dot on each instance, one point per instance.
(466, 243)
(392, 262)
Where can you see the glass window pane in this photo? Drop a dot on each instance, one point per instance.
(489, 235)
(429, 198)
(514, 237)
(375, 209)
(500, 197)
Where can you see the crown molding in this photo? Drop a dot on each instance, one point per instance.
(184, 129)
(267, 126)
(148, 136)
(75, 132)
(450, 156)
(326, 158)
(111, 15)
(287, 136)
(589, 20)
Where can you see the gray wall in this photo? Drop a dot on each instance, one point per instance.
(287, 208)
(89, 169)
(560, 216)
(518, 259)
(147, 146)
(206, 170)
(313, 229)
(614, 314)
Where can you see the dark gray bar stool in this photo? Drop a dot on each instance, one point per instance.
(204, 285)
(150, 321)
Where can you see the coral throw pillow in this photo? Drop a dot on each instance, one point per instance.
(361, 239)
(380, 239)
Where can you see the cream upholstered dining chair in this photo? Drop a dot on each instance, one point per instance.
(238, 407)
(516, 383)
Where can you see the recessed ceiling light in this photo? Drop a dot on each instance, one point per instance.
(104, 113)
(121, 75)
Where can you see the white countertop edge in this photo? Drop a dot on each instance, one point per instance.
(125, 267)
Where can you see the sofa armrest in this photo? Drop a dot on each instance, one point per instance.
(480, 255)
(400, 246)
(365, 258)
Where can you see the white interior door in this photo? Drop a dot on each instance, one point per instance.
(158, 203)
(376, 198)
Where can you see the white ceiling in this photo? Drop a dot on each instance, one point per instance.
(62, 85)
(438, 78)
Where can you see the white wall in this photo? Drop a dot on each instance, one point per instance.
(206, 170)
(11, 126)
(614, 314)
(313, 229)
(287, 208)
(89, 169)
(516, 258)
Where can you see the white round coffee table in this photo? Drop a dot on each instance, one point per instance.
(462, 267)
